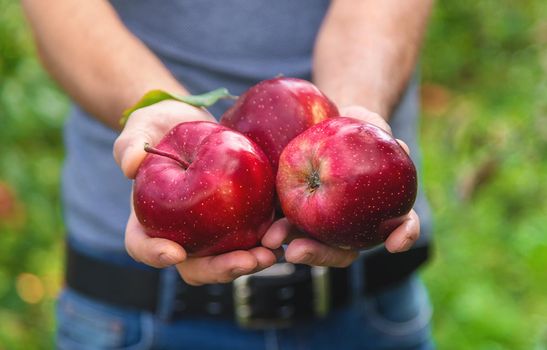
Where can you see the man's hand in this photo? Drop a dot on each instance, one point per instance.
(149, 125)
(223, 268)
(302, 250)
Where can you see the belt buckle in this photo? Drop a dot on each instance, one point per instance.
(242, 293)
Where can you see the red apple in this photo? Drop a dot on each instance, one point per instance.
(273, 112)
(206, 187)
(346, 183)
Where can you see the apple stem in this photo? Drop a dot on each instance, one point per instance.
(159, 152)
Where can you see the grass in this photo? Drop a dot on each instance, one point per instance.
(484, 138)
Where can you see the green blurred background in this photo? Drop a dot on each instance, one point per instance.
(484, 138)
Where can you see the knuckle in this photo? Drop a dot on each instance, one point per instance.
(252, 266)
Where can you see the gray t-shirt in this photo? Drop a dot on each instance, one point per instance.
(206, 44)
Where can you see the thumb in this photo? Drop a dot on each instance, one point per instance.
(128, 148)
(149, 125)
(156, 252)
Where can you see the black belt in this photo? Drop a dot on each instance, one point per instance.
(279, 296)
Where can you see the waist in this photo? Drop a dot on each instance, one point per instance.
(276, 297)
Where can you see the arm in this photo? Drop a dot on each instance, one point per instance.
(95, 59)
(367, 50)
(364, 56)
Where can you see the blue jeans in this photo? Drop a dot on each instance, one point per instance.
(397, 318)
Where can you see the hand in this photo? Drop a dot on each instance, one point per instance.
(223, 268)
(302, 250)
(149, 125)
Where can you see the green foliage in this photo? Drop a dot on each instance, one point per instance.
(484, 138)
(31, 116)
(204, 100)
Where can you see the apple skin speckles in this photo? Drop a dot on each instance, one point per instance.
(367, 183)
(223, 200)
(274, 111)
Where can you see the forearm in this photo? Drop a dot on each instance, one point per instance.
(366, 51)
(95, 59)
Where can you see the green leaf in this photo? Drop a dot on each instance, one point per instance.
(151, 97)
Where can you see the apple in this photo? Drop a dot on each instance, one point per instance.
(274, 111)
(206, 187)
(346, 183)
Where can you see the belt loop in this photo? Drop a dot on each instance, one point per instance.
(167, 293)
(321, 287)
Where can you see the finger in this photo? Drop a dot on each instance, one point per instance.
(311, 252)
(149, 125)
(404, 146)
(276, 234)
(129, 147)
(404, 236)
(364, 114)
(222, 268)
(264, 257)
(156, 252)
